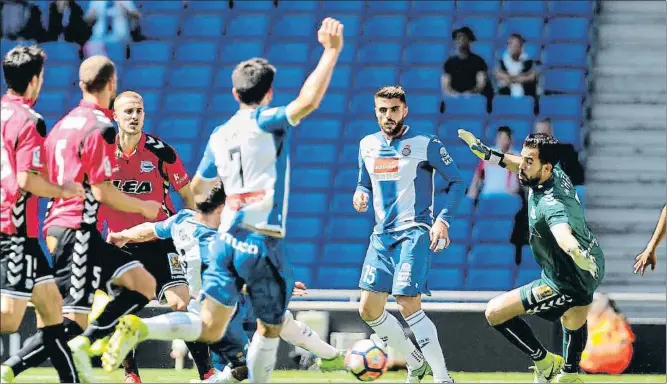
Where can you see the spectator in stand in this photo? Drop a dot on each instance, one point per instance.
(493, 178)
(569, 160)
(516, 72)
(465, 72)
(21, 20)
(66, 18)
(113, 20)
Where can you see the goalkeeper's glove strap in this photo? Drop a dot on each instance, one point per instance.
(496, 157)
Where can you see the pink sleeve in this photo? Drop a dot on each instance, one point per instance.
(30, 149)
(97, 157)
(178, 176)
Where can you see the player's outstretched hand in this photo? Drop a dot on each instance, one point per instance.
(300, 289)
(439, 236)
(360, 201)
(72, 189)
(480, 150)
(644, 259)
(330, 34)
(585, 261)
(117, 239)
(150, 209)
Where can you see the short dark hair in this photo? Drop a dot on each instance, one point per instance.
(252, 79)
(20, 65)
(215, 198)
(547, 146)
(95, 73)
(505, 129)
(517, 36)
(391, 92)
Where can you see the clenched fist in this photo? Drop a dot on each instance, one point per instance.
(330, 34)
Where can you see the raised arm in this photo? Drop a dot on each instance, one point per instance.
(505, 160)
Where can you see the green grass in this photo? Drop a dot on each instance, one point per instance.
(48, 375)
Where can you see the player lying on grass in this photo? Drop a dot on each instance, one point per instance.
(567, 251)
(192, 233)
(648, 257)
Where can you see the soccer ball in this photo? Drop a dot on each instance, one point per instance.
(366, 361)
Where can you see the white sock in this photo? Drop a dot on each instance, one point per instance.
(391, 332)
(300, 334)
(174, 325)
(261, 358)
(427, 338)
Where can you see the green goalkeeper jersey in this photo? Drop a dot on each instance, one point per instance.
(556, 202)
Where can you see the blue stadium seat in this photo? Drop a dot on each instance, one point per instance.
(454, 255)
(224, 104)
(328, 130)
(59, 76)
(223, 78)
(253, 5)
(235, 51)
(425, 27)
(61, 51)
(571, 8)
(309, 203)
(146, 76)
(561, 106)
(301, 253)
(485, 51)
(473, 105)
(304, 275)
(344, 253)
(289, 77)
(446, 278)
(336, 277)
(524, 7)
(433, 54)
(151, 101)
(478, 7)
(384, 27)
(284, 97)
(151, 51)
(394, 6)
(466, 207)
(433, 7)
(160, 25)
(448, 130)
(182, 102)
(208, 6)
(117, 52)
(425, 125)
(513, 106)
(565, 81)
(486, 255)
(191, 76)
(248, 25)
(528, 259)
(567, 29)
(7, 45)
(357, 129)
(315, 154)
(333, 103)
(492, 231)
(485, 28)
(424, 104)
(185, 151)
(348, 156)
(520, 129)
(197, 51)
(311, 178)
(161, 6)
(565, 55)
(525, 276)
(460, 231)
(375, 77)
(203, 25)
(347, 6)
(293, 25)
(341, 204)
(347, 56)
(503, 206)
(530, 28)
(346, 228)
(489, 279)
(302, 5)
(346, 179)
(351, 22)
(53, 102)
(422, 79)
(379, 53)
(177, 128)
(342, 77)
(307, 228)
(462, 156)
(287, 52)
(568, 131)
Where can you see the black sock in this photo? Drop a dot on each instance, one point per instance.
(55, 344)
(518, 332)
(31, 355)
(574, 343)
(72, 329)
(125, 303)
(130, 363)
(201, 356)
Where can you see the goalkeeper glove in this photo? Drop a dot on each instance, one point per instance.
(480, 150)
(585, 261)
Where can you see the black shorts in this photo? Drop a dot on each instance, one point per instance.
(23, 265)
(84, 262)
(160, 258)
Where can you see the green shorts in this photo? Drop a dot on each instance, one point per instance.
(548, 302)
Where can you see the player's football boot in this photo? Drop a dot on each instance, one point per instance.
(6, 374)
(99, 346)
(568, 378)
(336, 363)
(129, 332)
(80, 347)
(132, 378)
(225, 376)
(545, 376)
(417, 375)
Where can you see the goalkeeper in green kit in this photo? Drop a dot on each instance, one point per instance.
(567, 251)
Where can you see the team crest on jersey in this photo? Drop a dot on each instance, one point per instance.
(146, 166)
(406, 150)
(542, 293)
(175, 264)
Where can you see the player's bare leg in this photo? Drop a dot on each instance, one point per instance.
(502, 313)
(575, 335)
(262, 352)
(11, 313)
(391, 332)
(426, 334)
(300, 334)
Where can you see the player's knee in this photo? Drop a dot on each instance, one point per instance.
(9, 321)
(408, 305)
(369, 312)
(48, 302)
(140, 280)
(494, 313)
(177, 304)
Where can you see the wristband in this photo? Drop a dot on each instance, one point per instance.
(496, 157)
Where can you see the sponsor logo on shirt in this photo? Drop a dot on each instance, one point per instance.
(386, 168)
(406, 150)
(36, 161)
(133, 186)
(240, 246)
(444, 155)
(146, 166)
(177, 177)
